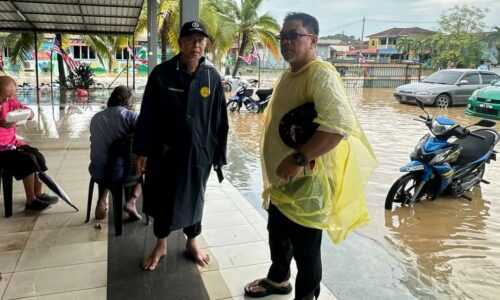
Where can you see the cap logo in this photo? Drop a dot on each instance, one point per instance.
(196, 24)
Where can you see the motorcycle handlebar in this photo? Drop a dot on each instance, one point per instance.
(423, 117)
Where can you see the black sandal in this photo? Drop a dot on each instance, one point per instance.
(269, 289)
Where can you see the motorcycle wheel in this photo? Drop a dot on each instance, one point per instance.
(403, 190)
(233, 106)
(227, 87)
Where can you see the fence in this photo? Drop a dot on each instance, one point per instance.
(378, 75)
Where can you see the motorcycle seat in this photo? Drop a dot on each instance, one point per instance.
(473, 148)
(264, 93)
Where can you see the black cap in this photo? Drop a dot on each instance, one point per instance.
(192, 27)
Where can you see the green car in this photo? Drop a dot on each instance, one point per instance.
(485, 102)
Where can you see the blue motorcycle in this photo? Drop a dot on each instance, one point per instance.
(449, 160)
(243, 96)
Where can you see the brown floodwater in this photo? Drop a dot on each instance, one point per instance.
(448, 248)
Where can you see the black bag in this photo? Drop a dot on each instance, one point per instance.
(297, 126)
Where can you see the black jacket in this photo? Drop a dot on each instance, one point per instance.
(174, 112)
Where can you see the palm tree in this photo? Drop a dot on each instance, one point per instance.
(24, 44)
(251, 28)
(404, 45)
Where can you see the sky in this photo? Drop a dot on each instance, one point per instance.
(346, 16)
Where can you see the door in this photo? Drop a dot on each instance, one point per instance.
(465, 90)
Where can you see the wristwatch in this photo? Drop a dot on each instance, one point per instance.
(300, 159)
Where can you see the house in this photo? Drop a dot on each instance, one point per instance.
(385, 41)
(330, 49)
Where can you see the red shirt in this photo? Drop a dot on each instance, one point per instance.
(8, 135)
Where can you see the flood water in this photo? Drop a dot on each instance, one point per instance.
(444, 249)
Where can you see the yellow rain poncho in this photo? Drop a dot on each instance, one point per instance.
(330, 196)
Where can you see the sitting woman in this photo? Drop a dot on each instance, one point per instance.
(20, 159)
(106, 127)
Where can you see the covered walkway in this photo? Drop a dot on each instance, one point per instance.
(55, 255)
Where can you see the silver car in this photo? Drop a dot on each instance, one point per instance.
(446, 87)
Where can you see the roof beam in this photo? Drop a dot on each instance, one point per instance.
(84, 4)
(75, 15)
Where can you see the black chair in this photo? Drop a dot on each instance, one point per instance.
(119, 157)
(7, 191)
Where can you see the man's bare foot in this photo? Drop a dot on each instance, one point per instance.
(100, 210)
(160, 250)
(130, 208)
(196, 253)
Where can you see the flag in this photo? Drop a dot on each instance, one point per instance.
(70, 62)
(362, 59)
(249, 57)
(136, 58)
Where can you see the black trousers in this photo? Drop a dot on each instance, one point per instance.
(288, 239)
(162, 230)
(23, 161)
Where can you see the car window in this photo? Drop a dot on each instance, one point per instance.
(443, 77)
(471, 78)
(488, 77)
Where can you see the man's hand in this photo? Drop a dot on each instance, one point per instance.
(288, 169)
(140, 164)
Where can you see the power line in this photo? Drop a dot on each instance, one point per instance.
(395, 21)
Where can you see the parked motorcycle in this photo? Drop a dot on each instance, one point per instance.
(439, 166)
(243, 96)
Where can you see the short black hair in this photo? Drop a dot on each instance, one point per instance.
(122, 96)
(482, 61)
(309, 22)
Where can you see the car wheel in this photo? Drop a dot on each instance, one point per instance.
(443, 101)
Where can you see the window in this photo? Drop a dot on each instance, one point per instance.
(119, 54)
(91, 53)
(471, 78)
(373, 43)
(77, 52)
(488, 77)
(382, 41)
(85, 52)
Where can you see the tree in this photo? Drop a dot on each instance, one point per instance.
(493, 38)
(405, 45)
(339, 36)
(462, 26)
(252, 29)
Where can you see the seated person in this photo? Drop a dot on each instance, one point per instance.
(20, 159)
(107, 126)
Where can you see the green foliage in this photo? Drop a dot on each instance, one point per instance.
(82, 77)
(339, 36)
(461, 35)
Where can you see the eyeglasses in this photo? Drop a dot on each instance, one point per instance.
(292, 35)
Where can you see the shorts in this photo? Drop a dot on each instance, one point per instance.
(23, 161)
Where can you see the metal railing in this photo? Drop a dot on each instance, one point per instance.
(378, 75)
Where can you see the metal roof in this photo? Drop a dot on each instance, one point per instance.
(111, 17)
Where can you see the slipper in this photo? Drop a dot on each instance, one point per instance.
(269, 289)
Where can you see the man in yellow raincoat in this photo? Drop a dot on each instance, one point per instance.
(318, 185)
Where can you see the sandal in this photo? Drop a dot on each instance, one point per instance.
(269, 289)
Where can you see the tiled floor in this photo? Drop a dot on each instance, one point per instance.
(55, 255)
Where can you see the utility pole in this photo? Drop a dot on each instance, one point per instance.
(363, 32)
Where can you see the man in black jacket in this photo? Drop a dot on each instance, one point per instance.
(181, 133)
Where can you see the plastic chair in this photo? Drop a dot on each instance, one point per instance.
(119, 157)
(7, 191)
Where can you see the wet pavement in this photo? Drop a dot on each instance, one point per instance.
(445, 249)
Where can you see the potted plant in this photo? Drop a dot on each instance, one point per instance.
(81, 79)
